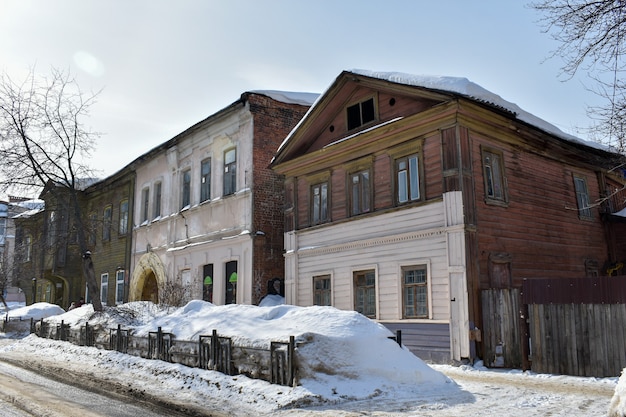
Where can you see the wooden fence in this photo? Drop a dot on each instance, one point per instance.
(569, 326)
(275, 364)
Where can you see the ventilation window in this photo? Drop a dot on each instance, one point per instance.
(361, 113)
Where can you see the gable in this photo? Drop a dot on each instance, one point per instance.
(352, 105)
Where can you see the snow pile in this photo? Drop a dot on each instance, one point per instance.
(336, 350)
(35, 311)
(618, 402)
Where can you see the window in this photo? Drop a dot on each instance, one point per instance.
(360, 199)
(104, 288)
(119, 286)
(93, 226)
(230, 171)
(157, 200)
(145, 202)
(106, 223)
(3, 229)
(205, 180)
(321, 291)
(123, 226)
(231, 282)
(28, 247)
(186, 189)
(582, 198)
(365, 293)
(493, 172)
(361, 113)
(319, 203)
(415, 292)
(407, 179)
(207, 283)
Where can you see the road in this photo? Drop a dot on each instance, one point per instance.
(27, 393)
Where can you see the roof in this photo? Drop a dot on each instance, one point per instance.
(458, 86)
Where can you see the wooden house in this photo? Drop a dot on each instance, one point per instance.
(407, 196)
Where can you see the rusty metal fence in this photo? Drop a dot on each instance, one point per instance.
(276, 364)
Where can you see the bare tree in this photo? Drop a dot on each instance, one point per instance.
(43, 141)
(591, 36)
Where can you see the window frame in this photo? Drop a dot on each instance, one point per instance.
(370, 289)
(409, 187)
(205, 180)
(229, 179)
(356, 110)
(584, 207)
(426, 286)
(124, 207)
(322, 293)
(494, 180)
(28, 243)
(107, 222)
(185, 188)
(119, 285)
(363, 193)
(320, 210)
(145, 204)
(104, 287)
(156, 205)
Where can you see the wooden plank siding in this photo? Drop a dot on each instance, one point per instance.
(578, 339)
(540, 225)
(428, 341)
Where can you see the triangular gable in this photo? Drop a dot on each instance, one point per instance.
(328, 121)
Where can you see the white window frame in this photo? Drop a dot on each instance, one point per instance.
(104, 288)
(119, 282)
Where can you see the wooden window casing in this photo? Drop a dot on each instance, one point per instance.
(415, 292)
(494, 177)
(361, 113)
(582, 198)
(365, 292)
(322, 295)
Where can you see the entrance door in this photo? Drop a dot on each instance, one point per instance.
(150, 291)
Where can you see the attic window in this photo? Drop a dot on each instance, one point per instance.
(361, 113)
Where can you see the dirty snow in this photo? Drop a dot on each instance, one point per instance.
(365, 373)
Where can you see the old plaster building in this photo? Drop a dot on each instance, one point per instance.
(208, 209)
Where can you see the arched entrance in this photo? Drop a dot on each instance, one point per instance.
(150, 290)
(148, 278)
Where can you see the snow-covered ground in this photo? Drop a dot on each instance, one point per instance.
(348, 367)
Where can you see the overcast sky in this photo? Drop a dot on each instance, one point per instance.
(165, 65)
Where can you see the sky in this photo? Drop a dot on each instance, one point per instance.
(161, 66)
(347, 366)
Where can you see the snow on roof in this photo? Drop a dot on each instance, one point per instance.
(289, 97)
(465, 87)
(621, 213)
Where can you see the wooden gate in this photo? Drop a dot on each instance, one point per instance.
(502, 341)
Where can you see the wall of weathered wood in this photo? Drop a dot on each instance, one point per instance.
(578, 339)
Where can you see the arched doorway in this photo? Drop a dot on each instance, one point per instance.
(150, 290)
(148, 278)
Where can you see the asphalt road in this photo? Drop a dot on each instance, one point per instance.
(27, 393)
